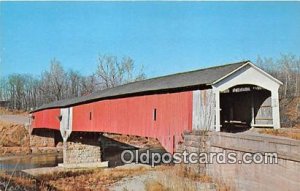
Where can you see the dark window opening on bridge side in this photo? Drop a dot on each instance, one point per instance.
(154, 114)
(90, 115)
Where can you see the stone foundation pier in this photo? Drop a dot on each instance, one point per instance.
(82, 149)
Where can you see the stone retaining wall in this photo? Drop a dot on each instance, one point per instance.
(42, 138)
(195, 142)
(284, 175)
(45, 141)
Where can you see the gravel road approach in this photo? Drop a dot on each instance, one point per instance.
(19, 119)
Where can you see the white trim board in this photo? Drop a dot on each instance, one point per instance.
(252, 65)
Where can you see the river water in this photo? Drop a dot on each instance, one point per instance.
(27, 162)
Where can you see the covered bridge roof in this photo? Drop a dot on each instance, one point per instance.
(186, 80)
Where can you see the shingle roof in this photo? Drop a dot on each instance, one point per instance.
(196, 78)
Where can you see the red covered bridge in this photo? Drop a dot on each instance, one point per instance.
(228, 97)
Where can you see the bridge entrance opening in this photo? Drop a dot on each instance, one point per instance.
(245, 106)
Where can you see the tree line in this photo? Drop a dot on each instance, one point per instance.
(286, 69)
(25, 91)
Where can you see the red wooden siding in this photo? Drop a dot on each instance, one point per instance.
(46, 119)
(134, 116)
(81, 117)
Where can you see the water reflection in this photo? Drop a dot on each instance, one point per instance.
(28, 162)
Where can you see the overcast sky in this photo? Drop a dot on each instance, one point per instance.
(164, 37)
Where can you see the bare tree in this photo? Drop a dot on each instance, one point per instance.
(53, 82)
(73, 84)
(88, 84)
(16, 87)
(57, 79)
(113, 72)
(4, 93)
(286, 69)
(297, 77)
(286, 62)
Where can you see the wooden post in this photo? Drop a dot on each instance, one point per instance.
(217, 100)
(252, 108)
(275, 109)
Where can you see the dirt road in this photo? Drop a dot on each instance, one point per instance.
(19, 119)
